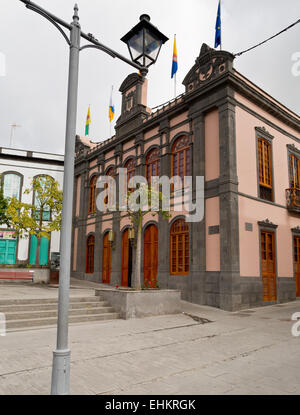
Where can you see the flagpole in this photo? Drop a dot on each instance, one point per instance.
(221, 24)
(175, 81)
(110, 103)
(175, 85)
(90, 119)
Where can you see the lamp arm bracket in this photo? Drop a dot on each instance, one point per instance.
(50, 19)
(100, 47)
(57, 22)
(112, 53)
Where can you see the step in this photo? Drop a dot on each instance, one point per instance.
(48, 300)
(28, 315)
(52, 306)
(12, 281)
(53, 320)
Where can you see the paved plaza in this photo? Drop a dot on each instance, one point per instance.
(247, 352)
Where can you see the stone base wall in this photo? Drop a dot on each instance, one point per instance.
(86, 277)
(204, 289)
(41, 275)
(252, 292)
(286, 288)
(143, 303)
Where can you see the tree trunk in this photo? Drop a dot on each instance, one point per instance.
(137, 273)
(38, 247)
(38, 250)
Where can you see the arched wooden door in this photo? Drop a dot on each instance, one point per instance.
(106, 260)
(150, 256)
(90, 252)
(126, 260)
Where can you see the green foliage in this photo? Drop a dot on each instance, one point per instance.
(27, 219)
(4, 219)
(147, 197)
(150, 196)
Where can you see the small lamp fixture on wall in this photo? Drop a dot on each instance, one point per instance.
(111, 237)
(131, 235)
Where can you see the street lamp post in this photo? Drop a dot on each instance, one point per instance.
(145, 41)
(60, 383)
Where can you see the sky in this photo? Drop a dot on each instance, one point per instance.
(33, 92)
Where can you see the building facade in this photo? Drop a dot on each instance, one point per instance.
(17, 169)
(246, 250)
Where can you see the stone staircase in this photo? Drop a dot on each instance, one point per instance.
(29, 313)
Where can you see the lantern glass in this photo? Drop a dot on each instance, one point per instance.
(152, 45)
(110, 236)
(131, 233)
(136, 46)
(144, 42)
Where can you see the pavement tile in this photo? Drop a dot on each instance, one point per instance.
(160, 355)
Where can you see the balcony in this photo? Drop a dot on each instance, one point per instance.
(293, 199)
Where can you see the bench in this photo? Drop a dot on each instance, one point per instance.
(16, 275)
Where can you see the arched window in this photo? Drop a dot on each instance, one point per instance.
(179, 248)
(12, 185)
(92, 195)
(110, 172)
(90, 249)
(181, 158)
(152, 164)
(130, 166)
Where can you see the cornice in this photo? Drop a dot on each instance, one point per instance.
(218, 85)
(262, 101)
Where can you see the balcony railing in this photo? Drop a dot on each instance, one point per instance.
(293, 199)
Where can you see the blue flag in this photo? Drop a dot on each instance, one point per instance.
(174, 60)
(218, 27)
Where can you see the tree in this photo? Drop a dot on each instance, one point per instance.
(43, 216)
(146, 196)
(4, 220)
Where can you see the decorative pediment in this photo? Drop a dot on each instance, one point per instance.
(293, 149)
(131, 81)
(267, 224)
(80, 145)
(264, 133)
(208, 66)
(134, 103)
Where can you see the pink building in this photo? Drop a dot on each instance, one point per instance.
(246, 250)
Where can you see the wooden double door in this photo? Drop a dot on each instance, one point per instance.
(106, 260)
(268, 266)
(126, 271)
(150, 256)
(297, 263)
